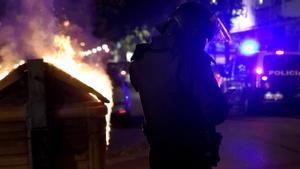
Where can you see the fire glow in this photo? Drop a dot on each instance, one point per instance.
(31, 31)
(64, 57)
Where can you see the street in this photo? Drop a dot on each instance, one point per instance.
(248, 143)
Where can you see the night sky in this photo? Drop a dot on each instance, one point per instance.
(110, 19)
(113, 18)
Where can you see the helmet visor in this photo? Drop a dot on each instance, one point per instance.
(221, 34)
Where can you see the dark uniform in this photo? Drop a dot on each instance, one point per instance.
(182, 103)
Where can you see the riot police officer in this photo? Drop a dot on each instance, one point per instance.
(181, 100)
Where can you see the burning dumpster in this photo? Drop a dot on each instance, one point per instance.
(50, 120)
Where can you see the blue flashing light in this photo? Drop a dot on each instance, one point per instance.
(264, 78)
(249, 47)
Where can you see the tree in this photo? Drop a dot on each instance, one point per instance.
(113, 19)
(120, 18)
(127, 44)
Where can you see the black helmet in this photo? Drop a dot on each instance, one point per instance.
(195, 20)
(191, 18)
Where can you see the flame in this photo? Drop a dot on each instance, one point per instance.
(66, 57)
(4, 71)
(30, 29)
(94, 97)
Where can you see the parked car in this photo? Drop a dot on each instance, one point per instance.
(120, 116)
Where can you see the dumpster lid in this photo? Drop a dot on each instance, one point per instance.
(52, 71)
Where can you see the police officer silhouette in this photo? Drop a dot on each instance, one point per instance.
(181, 100)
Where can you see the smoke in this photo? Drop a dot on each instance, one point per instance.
(40, 26)
(30, 29)
(27, 29)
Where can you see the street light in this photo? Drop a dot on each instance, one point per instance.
(261, 2)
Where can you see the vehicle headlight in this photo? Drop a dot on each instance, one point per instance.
(268, 96)
(273, 96)
(278, 96)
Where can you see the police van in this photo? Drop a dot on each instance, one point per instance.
(268, 82)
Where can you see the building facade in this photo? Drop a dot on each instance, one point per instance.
(276, 24)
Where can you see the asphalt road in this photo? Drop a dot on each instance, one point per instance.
(248, 143)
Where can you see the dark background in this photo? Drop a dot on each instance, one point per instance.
(112, 19)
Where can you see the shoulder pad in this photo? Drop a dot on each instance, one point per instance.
(140, 51)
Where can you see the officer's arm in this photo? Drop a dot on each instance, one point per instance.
(139, 52)
(208, 95)
(132, 73)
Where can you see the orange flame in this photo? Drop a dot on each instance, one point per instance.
(4, 71)
(65, 57)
